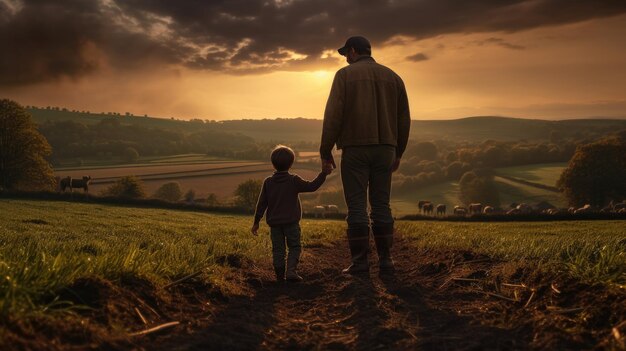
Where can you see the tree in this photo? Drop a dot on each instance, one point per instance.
(130, 154)
(190, 195)
(425, 150)
(479, 188)
(596, 174)
(126, 187)
(247, 193)
(169, 192)
(22, 151)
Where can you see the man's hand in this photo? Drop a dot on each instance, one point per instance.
(330, 163)
(255, 229)
(395, 165)
(327, 168)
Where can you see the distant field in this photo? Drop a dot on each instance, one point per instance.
(222, 177)
(547, 173)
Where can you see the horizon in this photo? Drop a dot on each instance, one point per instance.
(142, 115)
(262, 59)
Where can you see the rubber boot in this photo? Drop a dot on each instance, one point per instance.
(280, 274)
(358, 241)
(292, 268)
(383, 237)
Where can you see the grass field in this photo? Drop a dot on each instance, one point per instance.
(46, 245)
(127, 255)
(546, 174)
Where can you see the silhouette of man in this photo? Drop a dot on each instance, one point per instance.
(367, 117)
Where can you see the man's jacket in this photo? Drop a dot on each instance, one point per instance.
(368, 105)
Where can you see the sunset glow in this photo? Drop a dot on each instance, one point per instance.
(569, 68)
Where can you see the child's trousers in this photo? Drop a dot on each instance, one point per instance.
(289, 233)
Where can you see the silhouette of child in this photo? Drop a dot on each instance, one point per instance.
(279, 197)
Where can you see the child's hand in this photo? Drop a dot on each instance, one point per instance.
(255, 229)
(327, 168)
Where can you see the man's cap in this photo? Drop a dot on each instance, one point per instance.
(358, 43)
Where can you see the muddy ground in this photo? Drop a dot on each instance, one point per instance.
(435, 301)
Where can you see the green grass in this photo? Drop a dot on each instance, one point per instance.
(545, 173)
(45, 246)
(511, 192)
(593, 251)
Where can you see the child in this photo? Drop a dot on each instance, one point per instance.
(279, 196)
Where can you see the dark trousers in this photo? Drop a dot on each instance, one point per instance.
(366, 170)
(289, 234)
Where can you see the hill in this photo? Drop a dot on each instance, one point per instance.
(309, 130)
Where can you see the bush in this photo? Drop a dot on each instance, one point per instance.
(190, 195)
(130, 155)
(247, 193)
(169, 192)
(479, 188)
(126, 187)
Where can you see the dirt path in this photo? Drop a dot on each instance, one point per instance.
(330, 311)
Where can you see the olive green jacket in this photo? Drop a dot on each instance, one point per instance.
(368, 105)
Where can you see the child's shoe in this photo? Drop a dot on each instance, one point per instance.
(280, 274)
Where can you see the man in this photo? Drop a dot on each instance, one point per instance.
(367, 116)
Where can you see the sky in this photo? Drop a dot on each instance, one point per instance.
(234, 59)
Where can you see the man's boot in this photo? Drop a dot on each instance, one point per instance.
(358, 241)
(280, 274)
(292, 268)
(383, 237)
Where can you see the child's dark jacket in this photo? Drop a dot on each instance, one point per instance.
(279, 196)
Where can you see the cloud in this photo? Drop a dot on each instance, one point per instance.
(500, 42)
(417, 57)
(54, 39)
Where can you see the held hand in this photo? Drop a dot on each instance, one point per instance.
(327, 168)
(255, 229)
(329, 162)
(395, 165)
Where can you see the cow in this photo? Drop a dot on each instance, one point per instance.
(319, 212)
(488, 210)
(585, 209)
(460, 211)
(331, 208)
(427, 208)
(514, 211)
(475, 208)
(69, 182)
(524, 208)
(441, 209)
(421, 203)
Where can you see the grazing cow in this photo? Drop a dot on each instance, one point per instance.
(524, 208)
(585, 209)
(421, 203)
(441, 209)
(331, 208)
(514, 211)
(475, 208)
(69, 182)
(75, 183)
(460, 211)
(619, 206)
(427, 208)
(488, 210)
(622, 210)
(319, 211)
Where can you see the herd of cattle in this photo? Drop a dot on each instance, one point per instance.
(428, 208)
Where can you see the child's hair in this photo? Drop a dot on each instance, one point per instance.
(282, 157)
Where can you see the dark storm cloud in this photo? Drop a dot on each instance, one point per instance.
(52, 39)
(417, 57)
